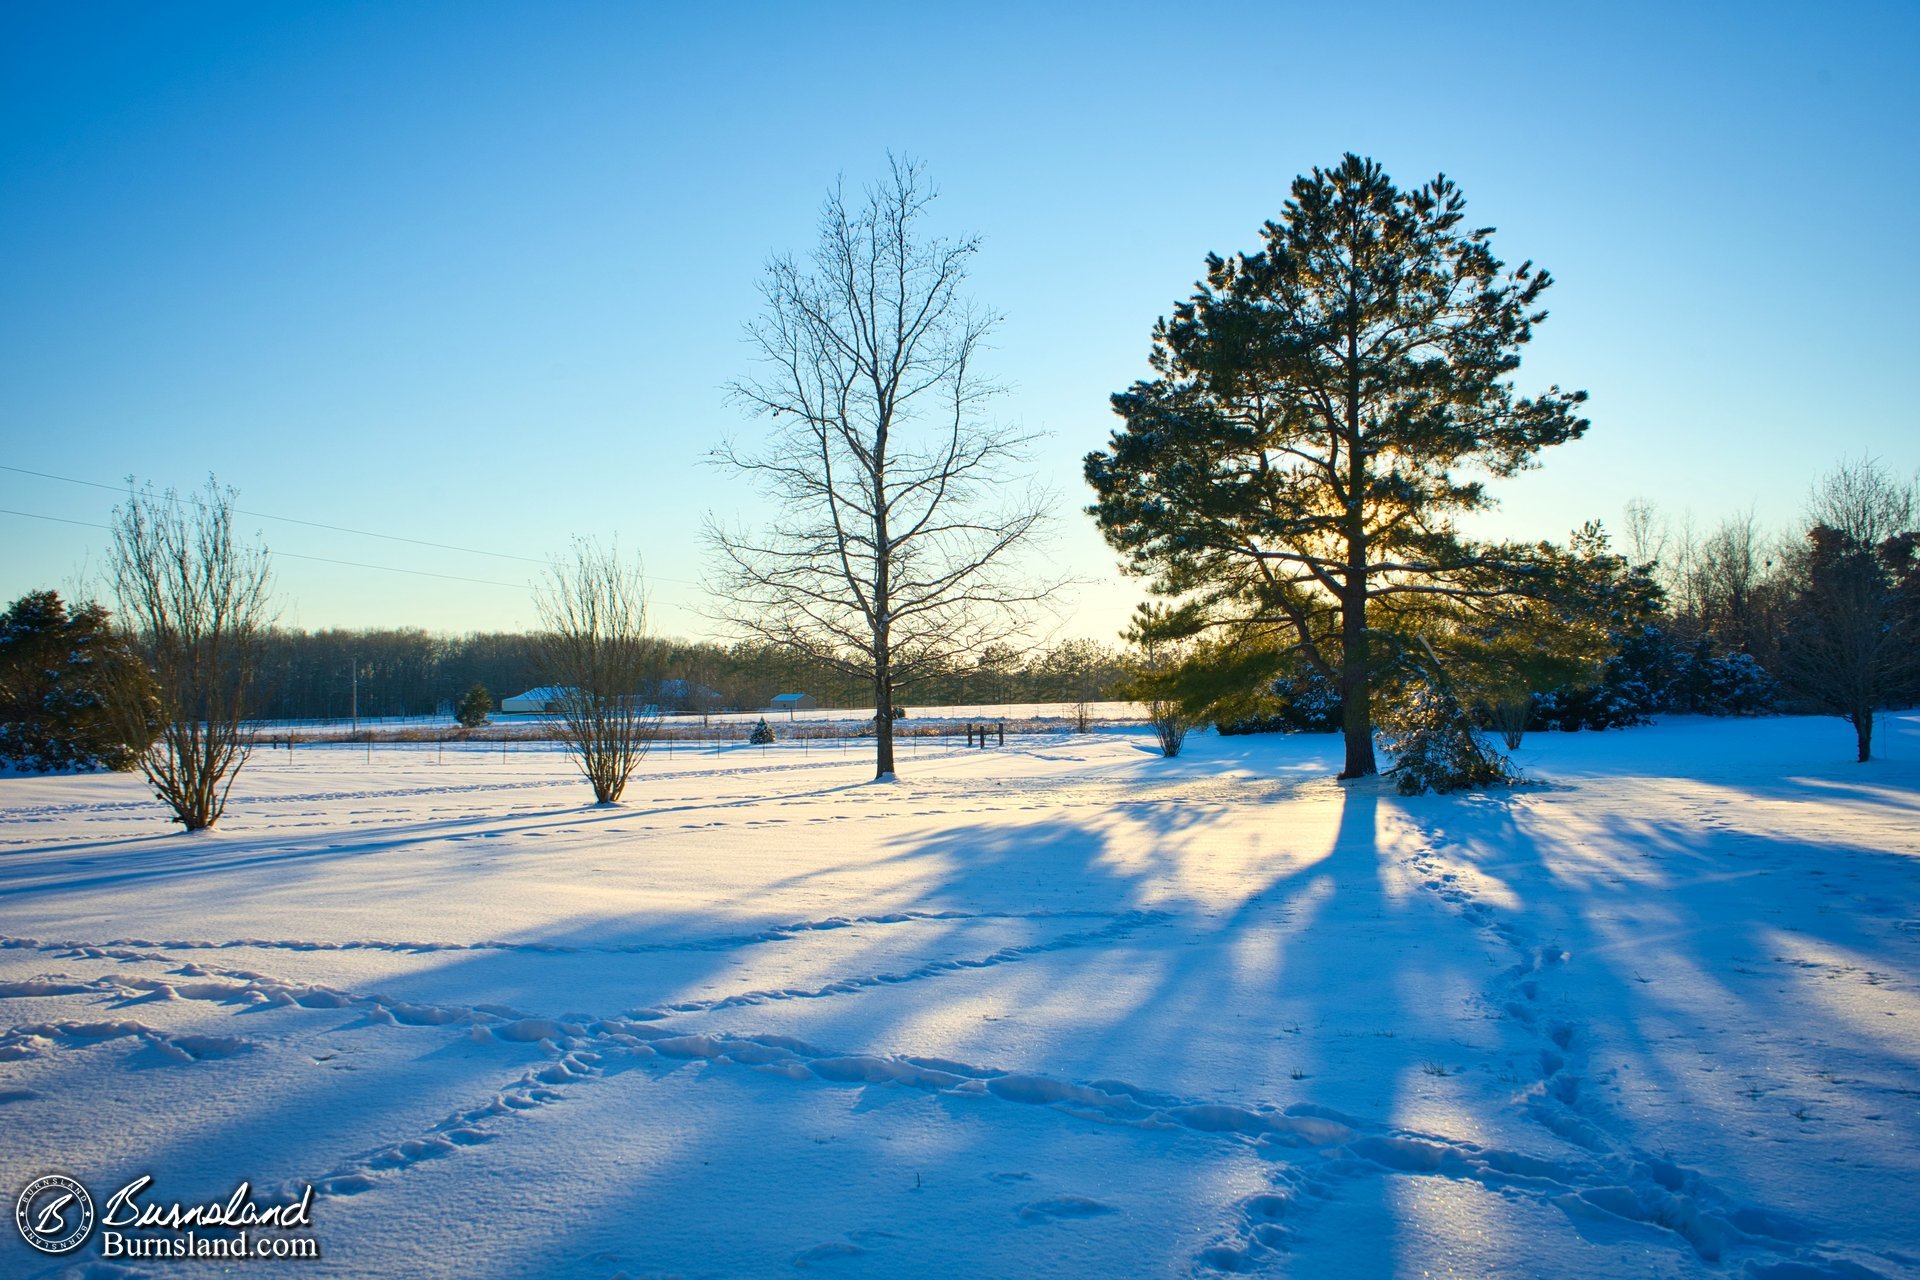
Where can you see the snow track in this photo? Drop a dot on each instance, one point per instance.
(1093, 1012)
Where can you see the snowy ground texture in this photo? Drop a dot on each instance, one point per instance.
(1063, 1009)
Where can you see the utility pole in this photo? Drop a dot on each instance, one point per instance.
(355, 712)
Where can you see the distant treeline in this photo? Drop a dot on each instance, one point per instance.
(311, 675)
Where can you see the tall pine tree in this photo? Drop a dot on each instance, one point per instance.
(1316, 413)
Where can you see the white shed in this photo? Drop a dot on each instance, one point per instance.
(535, 700)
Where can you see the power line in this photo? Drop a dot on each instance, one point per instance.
(84, 524)
(315, 524)
(312, 524)
(295, 555)
(418, 573)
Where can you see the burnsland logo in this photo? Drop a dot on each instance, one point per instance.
(55, 1215)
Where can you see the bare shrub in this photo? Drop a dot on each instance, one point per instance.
(594, 647)
(1170, 725)
(194, 609)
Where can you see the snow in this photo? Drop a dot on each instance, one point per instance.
(918, 719)
(1060, 1008)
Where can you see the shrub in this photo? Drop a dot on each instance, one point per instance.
(1297, 701)
(1170, 725)
(1721, 684)
(1436, 745)
(1633, 684)
(474, 706)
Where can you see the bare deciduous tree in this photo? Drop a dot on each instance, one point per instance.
(594, 647)
(1724, 584)
(891, 553)
(1846, 652)
(1647, 532)
(1074, 668)
(1734, 563)
(194, 608)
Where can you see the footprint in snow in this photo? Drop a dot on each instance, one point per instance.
(826, 1253)
(1064, 1207)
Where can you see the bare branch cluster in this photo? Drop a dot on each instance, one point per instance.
(595, 648)
(194, 608)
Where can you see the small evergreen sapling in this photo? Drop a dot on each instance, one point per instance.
(474, 707)
(1434, 741)
(762, 735)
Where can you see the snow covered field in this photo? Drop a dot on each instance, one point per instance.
(1104, 713)
(1061, 1009)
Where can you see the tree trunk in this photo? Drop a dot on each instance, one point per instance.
(882, 607)
(1357, 721)
(1356, 675)
(1356, 690)
(883, 724)
(1863, 733)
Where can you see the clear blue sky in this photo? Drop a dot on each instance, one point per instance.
(475, 273)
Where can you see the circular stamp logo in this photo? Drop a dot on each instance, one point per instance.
(54, 1213)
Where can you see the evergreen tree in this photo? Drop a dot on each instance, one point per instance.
(1707, 682)
(1300, 453)
(1296, 700)
(1634, 682)
(1436, 746)
(474, 707)
(58, 670)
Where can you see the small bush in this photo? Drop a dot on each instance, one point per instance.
(1437, 747)
(762, 735)
(1298, 701)
(1721, 684)
(474, 707)
(1170, 726)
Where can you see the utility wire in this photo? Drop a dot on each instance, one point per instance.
(312, 524)
(84, 524)
(294, 555)
(387, 568)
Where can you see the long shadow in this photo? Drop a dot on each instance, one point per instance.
(1144, 1014)
(1173, 952)
(250, 1115)
(183, 858)
(1679, 1018)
